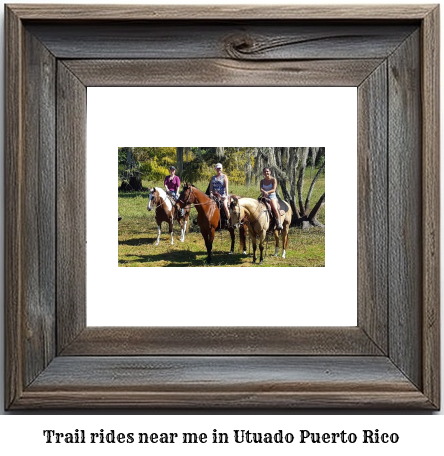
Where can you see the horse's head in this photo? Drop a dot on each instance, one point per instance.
(153, 199)
(235, 213)
(186, 196)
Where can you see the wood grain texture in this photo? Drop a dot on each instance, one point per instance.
(234, 382)
(405, 209)
(89, 373)
(13, 209)
(221, 72)
(372, 207)
(71, 206)
(38, 221)
(430, 94)
(220, 12)
(258, 40)
(127, 341)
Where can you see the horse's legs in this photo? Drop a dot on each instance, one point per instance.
(285, 238)
(210, 242)
(233, 237)
(158, 233)
(253, 240)
(183, 228)
(170, 223)
(208, 238)
(187, 218)
(276, 238)
(261, 245)
(243, 239)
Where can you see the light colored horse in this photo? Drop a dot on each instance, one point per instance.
(258, 221)
(159, 200)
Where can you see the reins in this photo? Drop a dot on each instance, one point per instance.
(194, 204)
(160, 204)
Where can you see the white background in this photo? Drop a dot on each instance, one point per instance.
(24, 433)
(285, 116)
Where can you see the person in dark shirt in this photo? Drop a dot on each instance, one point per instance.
(172, 183)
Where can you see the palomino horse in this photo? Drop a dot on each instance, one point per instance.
(208, 216)
(165, 213)
(258, 222)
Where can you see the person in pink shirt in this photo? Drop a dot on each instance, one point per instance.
(172, 183)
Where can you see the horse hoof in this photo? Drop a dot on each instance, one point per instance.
(230, 252)
(244, 252)
(156, 243)
(260, 263)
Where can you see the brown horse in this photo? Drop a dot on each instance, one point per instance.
(208, 217)
(258, 221)
(166, 212)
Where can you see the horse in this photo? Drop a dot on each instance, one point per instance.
(208, 217)
(165, 212)
(258, 222)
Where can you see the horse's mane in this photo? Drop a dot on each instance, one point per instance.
(161, 191)
(195, 188)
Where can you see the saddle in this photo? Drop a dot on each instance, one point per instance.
(223, 217)
(172, 200)
(176, 214)
(267, 203)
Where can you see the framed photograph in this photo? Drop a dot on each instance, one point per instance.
(389, 359)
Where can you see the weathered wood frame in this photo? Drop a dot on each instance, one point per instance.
(390, 360)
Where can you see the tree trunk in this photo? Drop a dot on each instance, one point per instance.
(133, 179)
(307, 201)
(248, 170)
(179, 159)
(303, 154)
(288, 166)
(314, 213)
(220, 153)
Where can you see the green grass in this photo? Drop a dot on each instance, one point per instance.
(138, 234)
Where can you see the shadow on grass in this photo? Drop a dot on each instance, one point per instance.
(139, 241)
(184, 258)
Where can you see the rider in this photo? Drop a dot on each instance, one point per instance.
(172, 185)
(219, 187)
(268, 190)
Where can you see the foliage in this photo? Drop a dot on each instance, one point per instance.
(148, 162)
(243, 166)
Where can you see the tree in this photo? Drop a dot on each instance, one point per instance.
(131, 175)
(179, 160)
(288, 165)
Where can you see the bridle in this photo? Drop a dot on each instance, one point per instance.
(155, 194)
(247, 221)
(236, 204)
(158, 202)
(185, 203)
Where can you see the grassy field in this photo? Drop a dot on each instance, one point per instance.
(138, 233)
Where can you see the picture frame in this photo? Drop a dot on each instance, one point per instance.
(390, 359)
